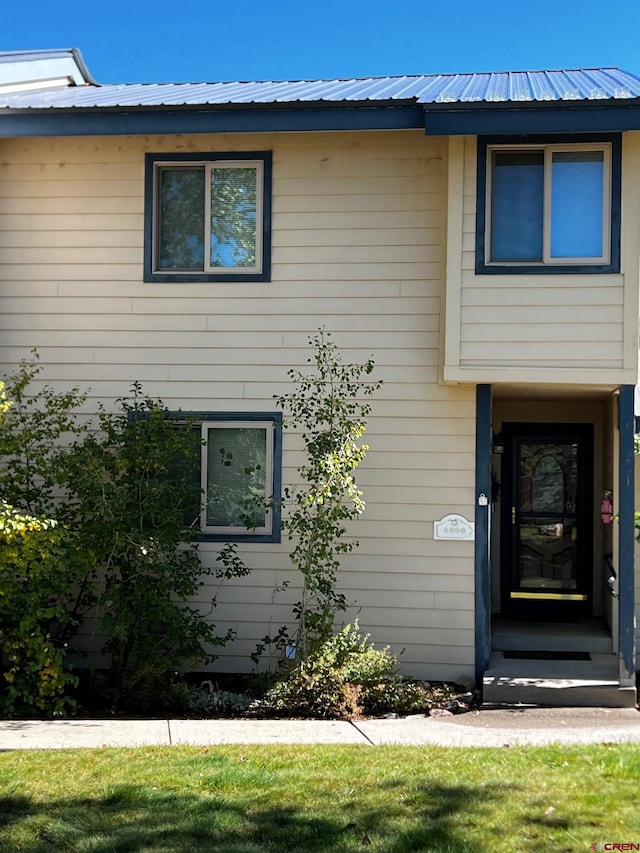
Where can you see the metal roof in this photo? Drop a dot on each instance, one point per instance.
(533, 87)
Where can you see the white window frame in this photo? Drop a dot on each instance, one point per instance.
(548, 151)
(223, 530)
(208, 167)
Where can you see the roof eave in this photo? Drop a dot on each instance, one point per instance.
(254, 118)
(530, 118)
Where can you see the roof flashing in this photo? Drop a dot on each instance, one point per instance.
(29, 71)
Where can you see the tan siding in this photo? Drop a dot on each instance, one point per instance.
(359, 225)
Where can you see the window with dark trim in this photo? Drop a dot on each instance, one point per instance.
(240, 473)
(548, 205)
(208, 217)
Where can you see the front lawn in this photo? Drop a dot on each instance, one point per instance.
(245, 799)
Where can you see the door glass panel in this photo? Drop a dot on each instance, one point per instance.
(546, 519)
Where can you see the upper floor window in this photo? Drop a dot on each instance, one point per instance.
(208, 217)
(548, 206)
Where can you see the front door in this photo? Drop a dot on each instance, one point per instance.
(547, 521)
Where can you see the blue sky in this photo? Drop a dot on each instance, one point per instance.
(208, 40)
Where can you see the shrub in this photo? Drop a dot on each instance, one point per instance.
(41, 566)
(209, 701)
(123, 497)
(344, 677)
(135, 498)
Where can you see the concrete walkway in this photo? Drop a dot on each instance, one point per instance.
(489, 727)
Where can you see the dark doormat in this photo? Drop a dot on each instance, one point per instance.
(516, 655)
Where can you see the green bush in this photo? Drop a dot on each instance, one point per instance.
(345, 677)
(135, 497)
(41, 566)
(123, 496)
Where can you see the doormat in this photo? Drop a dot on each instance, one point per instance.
(516, 655)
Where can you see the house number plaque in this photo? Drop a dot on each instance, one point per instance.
(453, 527)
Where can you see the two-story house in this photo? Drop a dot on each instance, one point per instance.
(478, 234)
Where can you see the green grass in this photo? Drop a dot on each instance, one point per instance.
(250, 799)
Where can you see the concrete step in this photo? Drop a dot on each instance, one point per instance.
(587, 636)
(568, 683)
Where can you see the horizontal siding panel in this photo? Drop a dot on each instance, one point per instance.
(337, 166)
(371, 324)
(295, 289)
(57, 257)
(329, 238)
(76, 206)
(406, 640)
(366, 219)
(61, 305)
(362, 340)
(51, 337)
(306, 256)
(552, 316)
(356, 271)
(389, 546)
(597, 354)
(351, 146)
(269, 372)
(422, 509)
(70, 188)
(211, 355)
(416, 469)
(135, 321)
(546, 334)
(302, 312)
(359, 186)
(44, 271)
(308, 205)
(416, 530)
(71, 239)
(28, 289)
(14, 174)
(113, 322)
(534, 283)
(550, 299)
(396, 589)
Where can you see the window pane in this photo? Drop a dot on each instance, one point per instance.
(236, 477)
(181, 231)
(233, 216)
(517, 206)
(577, 187)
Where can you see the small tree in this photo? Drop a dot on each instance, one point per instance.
(327, 406)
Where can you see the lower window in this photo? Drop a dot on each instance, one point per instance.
(240, 475)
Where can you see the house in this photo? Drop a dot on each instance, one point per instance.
(477, 233)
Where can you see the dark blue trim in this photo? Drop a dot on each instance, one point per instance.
(150, 207)
(135, 121)
(194, 418)
(483, 268)
(626, 531)
(482, 540)
(436, 121)
(549, 119)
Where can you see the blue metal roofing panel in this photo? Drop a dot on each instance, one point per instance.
(490, 88)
